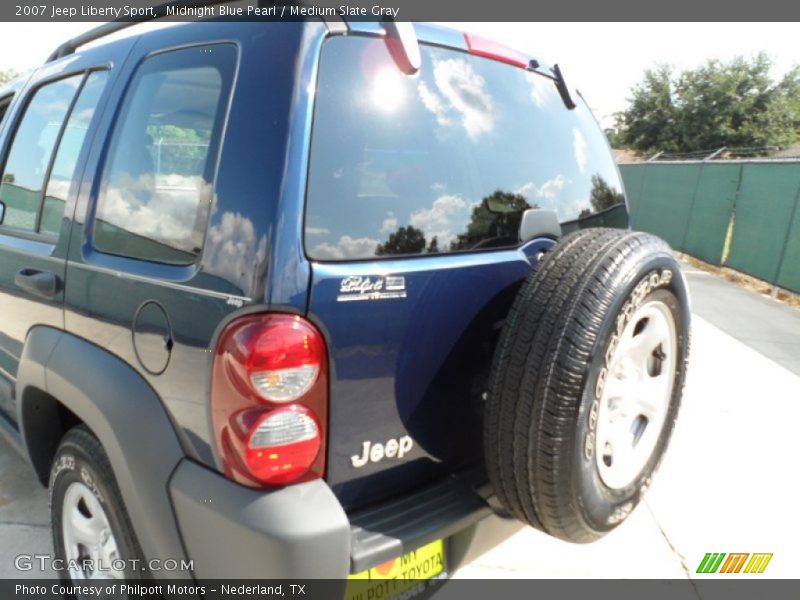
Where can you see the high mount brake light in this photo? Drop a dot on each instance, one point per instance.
(489, 49)
(269, 400)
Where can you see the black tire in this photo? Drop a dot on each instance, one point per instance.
(541, 411)
(81, 459)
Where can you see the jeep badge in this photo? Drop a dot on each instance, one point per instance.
(393, 448)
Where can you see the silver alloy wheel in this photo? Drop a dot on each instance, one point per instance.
(636, 396)
(90, 548)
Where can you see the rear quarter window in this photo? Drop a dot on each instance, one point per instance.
(157, 190)
(447, 160)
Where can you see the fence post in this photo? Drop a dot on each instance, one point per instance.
(715, 154)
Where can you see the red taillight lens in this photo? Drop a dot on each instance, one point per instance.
(285, 360)
(489, 49)
(269, 400)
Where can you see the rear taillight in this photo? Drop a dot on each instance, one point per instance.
(269, 400)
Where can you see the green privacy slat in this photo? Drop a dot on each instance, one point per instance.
(764, 211)
(632, 176)
(666, 197)
(789, 275)
(711, 211)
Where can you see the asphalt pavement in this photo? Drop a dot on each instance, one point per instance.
(727, 483)
(765, 324)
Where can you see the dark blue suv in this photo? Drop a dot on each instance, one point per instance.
(303, 299)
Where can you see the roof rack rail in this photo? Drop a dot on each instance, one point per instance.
(70, 46)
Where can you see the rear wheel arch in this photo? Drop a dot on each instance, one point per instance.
(44, 421)
(64, 381)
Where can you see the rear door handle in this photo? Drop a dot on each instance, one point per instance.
(39, 283)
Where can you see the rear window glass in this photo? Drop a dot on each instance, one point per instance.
(445, 161)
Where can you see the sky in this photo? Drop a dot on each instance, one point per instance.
(602, 60)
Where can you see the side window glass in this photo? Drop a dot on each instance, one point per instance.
(157, 189)
(29, 158)
(62, 174)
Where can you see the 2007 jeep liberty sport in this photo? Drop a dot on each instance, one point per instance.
(295, 299)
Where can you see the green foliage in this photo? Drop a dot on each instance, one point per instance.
(733, 104)
(179, 150)
(487, 224)
(613, 136)
(7, 75)
(603, 196)
(406, 240)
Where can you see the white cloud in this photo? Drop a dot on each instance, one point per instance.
(439, 215)
(433, 103)
(58, 188)
(389, 224)
(317, 231)
(581, 149)
(442, 220)
(549, 190)
(233, 251)
(466, 91)
(346, 247)
(463, 98)
(138, 206)
(539, 93)
(550, 196)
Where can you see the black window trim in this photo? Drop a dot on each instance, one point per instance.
(5, 104)
(8, 144)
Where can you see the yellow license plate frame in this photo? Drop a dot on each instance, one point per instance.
(399, 575)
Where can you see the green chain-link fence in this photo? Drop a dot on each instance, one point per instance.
(695, 205)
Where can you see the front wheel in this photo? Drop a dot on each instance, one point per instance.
(92, 534)
(587, 381)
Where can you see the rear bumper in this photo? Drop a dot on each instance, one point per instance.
(302, 531)
(231, 531)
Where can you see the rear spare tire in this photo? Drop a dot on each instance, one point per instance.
(586, 382)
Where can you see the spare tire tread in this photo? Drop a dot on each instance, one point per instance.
(520, 328)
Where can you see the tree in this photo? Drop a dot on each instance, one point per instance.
(649, 121)
(7, 75)
(613, 136)
(603, 196)
(179, 150)
(733, 104)
(486, 224)
(406, 240)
